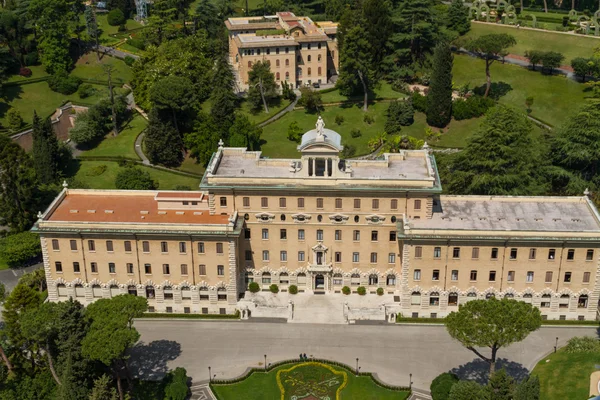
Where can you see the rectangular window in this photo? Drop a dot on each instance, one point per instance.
(265, 234)
(146, 247)
(418, 252)
(283, 255)
(436, 275)
(182, 248)
(219, 248)
(394, 204)
(184, 269)
(112, 268)
(91, 245)
(248, 255)
(373, 257)
(300, 202)
(300, 256)
(319, 234)
(570, 254)
(109, 246)
(147, 268)
(551, 254)
(357, 204)
(437, 252)
(392, 236)
(374, 236)
(548, 277)
(567, 277)
(473, 275)
(513, 254)
(264, 202)
(494, 255)
(247, 233)
(532, 254)
(375, 203)
(417, 275)
(417, 204)
(127, 245)
(338, 203)
(355, 257)
(164, 247)
(166, 269)
(454, 275)
(265, 255)
(73, 245)
(338, 234)
(456, 252)
(319, 202)
(492, 276)
(475, 253)
(283, 234)
(586, 277)
(589, 256)
(300, 234)
(511, 276)
(220, 270)
(76, 267)
(58, 266)
(129, 268)
(392, 258)
(338, 256)
(223, 201)
(202, 269)
(282, 202)
(356, 236)
(529, 276)
(246, 202)
(201, 247)
(94, 267)
(55, 245)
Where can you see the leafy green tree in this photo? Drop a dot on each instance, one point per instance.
(177, 389)
(458, 17)
(18, 200)
(439, 98)
(102, 389)
(223, 100)
(123, 5)
(583, 67)
(490, 47)
(35, 279)
(501, 385)
(551, 60)
(335, 8)
(294, 132)
(160, 27)
(500, 159)
(18, 249)
(528, 389)
(441, 386)
(492, 324)
(14, 32)
(244, 133)
(20, 300)
(87, 129)
(115, 17)
(534, 56)
(133, 178)
(399, 113)
(202, 141)
(262, 84)
(15, 121)
(310, 99)
(207, 17)
(468, 390)
(45, 150)
(163, 144)
(174, 95)
(379, 25)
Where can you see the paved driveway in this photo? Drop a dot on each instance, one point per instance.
(10, 277)
(391, 351)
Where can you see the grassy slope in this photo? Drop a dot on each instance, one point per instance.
(565, 376)
(122, 145)
(89, 67)
(571, 46)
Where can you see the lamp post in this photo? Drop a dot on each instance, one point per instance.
(209, 375)
(356, 366)
(410, 380)
(265, 363)
(556, 344)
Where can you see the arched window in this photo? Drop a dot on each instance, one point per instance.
(287, 76)
(415, 298)
(309, 59)
(62, 290)
(249, 64)
(277, 63)
(583, 301)
(527, 297)
(97, 291)
(284, 278)
(390, 280)
(338, 280)
(453, 299)
(186, 293)
(114, 290)
(319, 58)
(79, 290)
(168, 292)
(373, 279)
(132, 290)
(248, 277)
(287, 62)
(355, 280)
(489, 296)
(278, 76)
(434, 299)
(221, 294)
(309, 71)
(150, 292)
(301, 279)
(393, 218)
(509, 296)
(283, 217)
(319, 71)
(266, 278)
(204, 293)
(564, 301)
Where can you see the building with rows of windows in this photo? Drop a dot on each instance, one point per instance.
(322, 223)
(299, 50)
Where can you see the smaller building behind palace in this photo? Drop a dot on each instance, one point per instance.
(321, 223)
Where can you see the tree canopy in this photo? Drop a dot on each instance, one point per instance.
(490, 47)
(134, 178)
(262, 85)
(439, 98)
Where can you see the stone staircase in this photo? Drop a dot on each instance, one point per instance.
(201, 392)
(418, 394)
(319, 309)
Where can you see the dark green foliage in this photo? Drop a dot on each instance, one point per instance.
(490, 47)
(203, 140)
(348, 151)
(263, 88)
(138, 44)
(293, 289)
(368, 119)
(124, 6)
(91, 126)
(244, 133)
(441, 386)
(379, 291)
(18, 203)
(287, 91)
(45, 150)
(177, 388)
(528, 389)
(419, 102)
(174, 97)
(223, 100)
(501, 386)
(458, 17)
(133, 178)
(15, 121)
(163, 144)
(91, 23)
(361, 290)
(378, 22)
(583, 67)
(86, 90)
(63, 83)
(339, 119)
(274, 288)
(534, 57)
(294, 132)
(207, 17)
(346, 290)
(439, 97)
(115, 17)
(468, 390)
(129, 60)
(355, 133)
(400, 113)
(102, 389)
(16, 250)
(20, 300)
(551, 60)
(335, 8)
(310, 99)
(253, 287)
(472, 107)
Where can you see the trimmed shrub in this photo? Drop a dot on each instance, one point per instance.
(585, 344)
(346, 290)
(361, 290)
(400, 113)
(349, 151)
(419, 102)
(32, 59)
(177, 388)
(380, 291)
(355, 133)
(115, 17)
(473, 107)
(294, 132)
(133, 178)
(253, 287)
(441, 386)
(24, 71)
(368, 119)
(274, 288)
(97, 170)
(339, 119)
(14, 120)
(86, 90)
(137, 43)
(182, 187)
(17, 250)
(129, 60)
(293, 289)
(63, 83)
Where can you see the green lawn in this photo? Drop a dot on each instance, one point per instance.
(122, 145)
(571, 46)
(108, 30)
(89, 67)
(260, 116)
(82, 171)
(260, 386)
(566, 375)
(384, 91)
(555, 97)
(190, 165)
(37, 71)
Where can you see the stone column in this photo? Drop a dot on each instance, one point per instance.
(326, 167)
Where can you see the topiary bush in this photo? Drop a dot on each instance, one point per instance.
(400, 113)
(15, 121)
(346, 290)
(177, 388)
(17, 250)
(32, 59)
(380, 291)
(584, 344)
(473, 107)
(63, 83)
(368, 119)
(361, 290)
(86, 90)
(441, 386)
(133, 178)
(293, 289)
(115, 17)
(274, 288)
(253, 287)
(138, 44)
(419, 102)
(355, 133)
(129, 60)
(339, 119)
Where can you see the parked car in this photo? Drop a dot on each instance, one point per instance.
(316, 85)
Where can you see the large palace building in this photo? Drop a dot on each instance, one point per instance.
(322, 223)
(299, 50)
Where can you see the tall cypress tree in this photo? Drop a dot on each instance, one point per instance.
(45, 150)
(439, 98)
(163, 143)
(223, 99)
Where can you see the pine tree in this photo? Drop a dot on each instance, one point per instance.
(501, 385)
(203, 140)
(528, 389)
(223, 99)
(262, 85)
(163, 142)
(439, 98)
(458, 17)
(244, 133)
(45, 150)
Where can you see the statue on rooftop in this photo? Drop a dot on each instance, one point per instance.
(320, 126)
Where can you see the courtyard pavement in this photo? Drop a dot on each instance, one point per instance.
(391, 351)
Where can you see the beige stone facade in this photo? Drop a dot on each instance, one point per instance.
(299, 51)
(322, 223)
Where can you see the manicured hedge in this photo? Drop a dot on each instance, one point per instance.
(405, 320)
(193, 316)
(19, 249)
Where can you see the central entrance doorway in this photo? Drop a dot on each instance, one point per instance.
(319, 282)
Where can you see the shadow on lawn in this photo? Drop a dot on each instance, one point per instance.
(497, 90)
(149, 361)
(478, 370)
